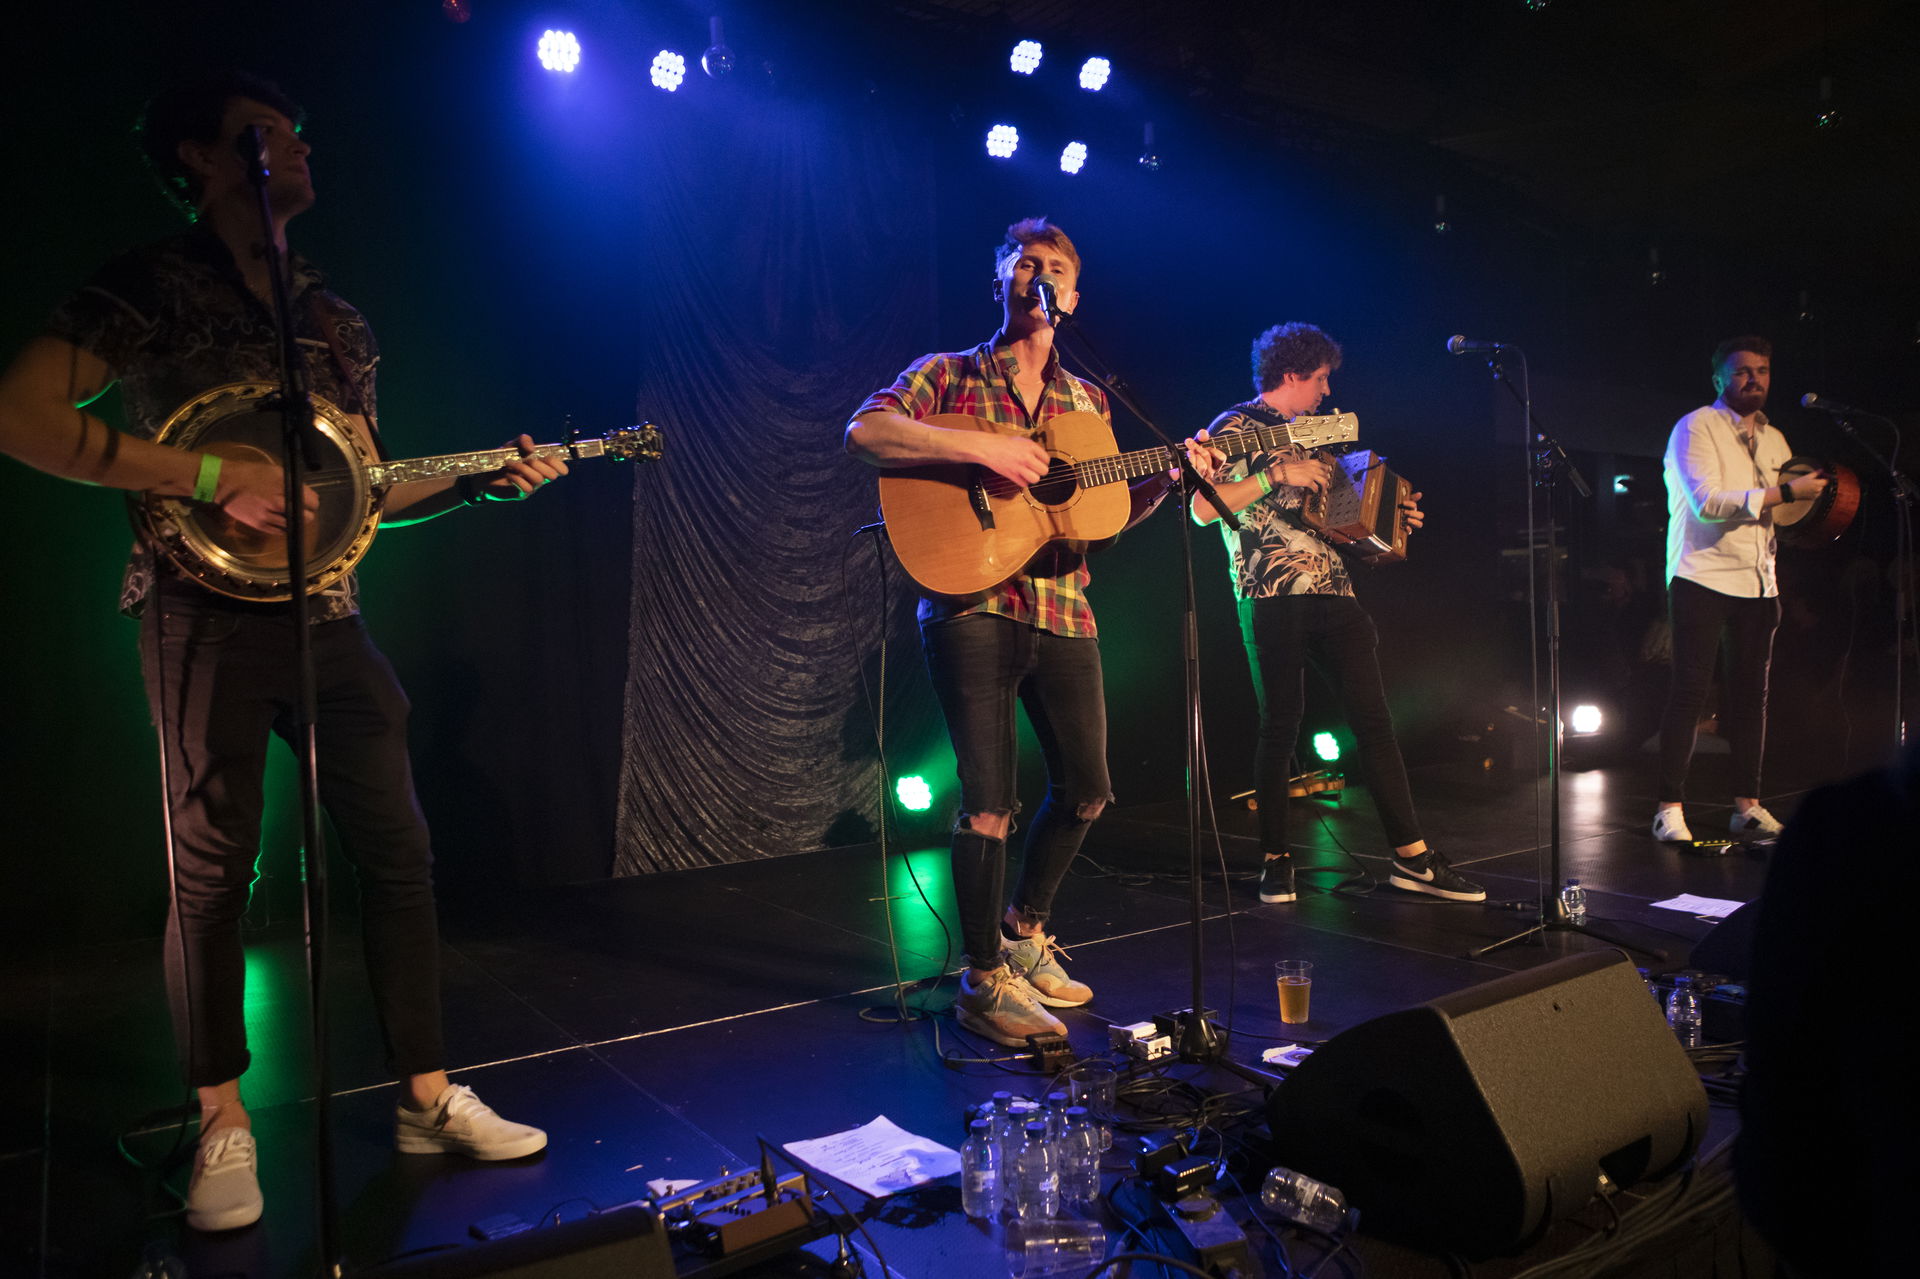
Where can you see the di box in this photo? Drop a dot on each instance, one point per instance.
(1474, 1122)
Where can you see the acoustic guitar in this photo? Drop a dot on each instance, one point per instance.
(242, 420)
(960, 530)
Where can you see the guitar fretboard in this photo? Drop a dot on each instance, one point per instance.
(1307, 432)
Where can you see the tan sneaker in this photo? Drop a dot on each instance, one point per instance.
(224, 1193)
(1037, 958)
(459, 1123)
(1003, 1008)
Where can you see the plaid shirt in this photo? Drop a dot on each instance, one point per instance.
(1051, 593)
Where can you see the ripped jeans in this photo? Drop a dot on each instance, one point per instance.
(980, 663)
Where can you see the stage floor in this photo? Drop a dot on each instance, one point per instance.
(657, 1026)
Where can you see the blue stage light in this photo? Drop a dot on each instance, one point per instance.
(1026, 56)
(669, 69)
(1072, 157)
(1094, 73)
(558, 50)
(1002, 141)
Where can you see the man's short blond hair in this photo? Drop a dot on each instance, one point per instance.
(1028, 232)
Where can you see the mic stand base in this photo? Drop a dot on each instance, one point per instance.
(1550, 924)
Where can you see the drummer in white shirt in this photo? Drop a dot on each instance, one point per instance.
(1723, 482)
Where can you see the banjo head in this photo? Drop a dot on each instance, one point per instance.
(242, 421)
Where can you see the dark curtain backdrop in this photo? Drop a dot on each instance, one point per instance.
(787, 271)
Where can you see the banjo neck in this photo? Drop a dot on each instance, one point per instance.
(452, 465)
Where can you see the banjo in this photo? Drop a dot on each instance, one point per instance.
(242, 420)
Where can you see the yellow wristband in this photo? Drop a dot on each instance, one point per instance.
(206, 486)
(1266, 483)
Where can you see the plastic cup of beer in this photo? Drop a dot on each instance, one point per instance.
(1294, 977)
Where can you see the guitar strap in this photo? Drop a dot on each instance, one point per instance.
(1082, 402)
(362, 402)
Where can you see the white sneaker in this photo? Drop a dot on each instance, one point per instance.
(459, 1123)
(224, 1193)
(1670, 826)
(1755, 823)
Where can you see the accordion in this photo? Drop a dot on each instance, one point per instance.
(1359, 511)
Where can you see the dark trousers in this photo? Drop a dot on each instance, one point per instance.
(219, 682)
(1702, 619)
(1286, 633)
(980, 665)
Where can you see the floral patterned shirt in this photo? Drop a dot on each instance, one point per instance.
(176, 318)
(1274, 553)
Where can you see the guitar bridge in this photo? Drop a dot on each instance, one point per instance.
(977, 495)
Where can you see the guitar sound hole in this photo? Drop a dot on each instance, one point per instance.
(1058, 486)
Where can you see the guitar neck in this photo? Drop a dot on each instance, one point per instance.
(450, 465)
(1144, 462)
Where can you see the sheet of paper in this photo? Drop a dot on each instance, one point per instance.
(879, 1158)
(1711, 907)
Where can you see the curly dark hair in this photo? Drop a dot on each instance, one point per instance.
(1291, 348)
(1745, 342)
(191, 112)
(1030, 231)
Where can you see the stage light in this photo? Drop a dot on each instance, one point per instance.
(914, 794)
(1326, 747)
(1002, 141)
(1623, 484)
(1026, 56)
(1094, 73)
(669, 69)
(718, 59)
(1072, 157)
(1585, 720)
(558, 50)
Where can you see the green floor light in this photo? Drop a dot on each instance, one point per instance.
(1326, 747)
(914, 794)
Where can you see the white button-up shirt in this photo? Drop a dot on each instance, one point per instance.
(1717, 534)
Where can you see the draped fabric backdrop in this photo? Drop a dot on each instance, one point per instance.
(787, 265)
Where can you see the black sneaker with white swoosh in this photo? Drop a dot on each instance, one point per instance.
(1429, 873)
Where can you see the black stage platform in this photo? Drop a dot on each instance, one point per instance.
(655, 1026)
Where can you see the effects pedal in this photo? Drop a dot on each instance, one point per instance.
(1142, 1041)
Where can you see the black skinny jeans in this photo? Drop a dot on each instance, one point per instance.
(980, 664)
(1701, 619)
(1283, 634)
(219, 682)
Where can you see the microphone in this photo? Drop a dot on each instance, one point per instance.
(1827, 404)
(1046, 291)
(251, 146)
(1458, 345)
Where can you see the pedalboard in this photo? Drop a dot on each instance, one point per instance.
(1142, 1041)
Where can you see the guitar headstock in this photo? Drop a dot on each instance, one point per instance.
(641, 443)
(1324, 430)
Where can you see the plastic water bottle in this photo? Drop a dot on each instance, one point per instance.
(1573, 903)
(1079, 1149)
(1037, 1185)
(1683, 1012)
(1306, 1202)
(1011, 1128)
(980, 1172)
(1057, 1103)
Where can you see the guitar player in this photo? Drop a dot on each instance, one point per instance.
(1031, 638)
(1297, 607)
(168, 322)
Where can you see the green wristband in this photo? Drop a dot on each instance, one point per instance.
(1266, 483)
(206, 486)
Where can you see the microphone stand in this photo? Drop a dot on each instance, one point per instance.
(1546, 461)
(300, 452)
(1199, 1042)
(1905, 496)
